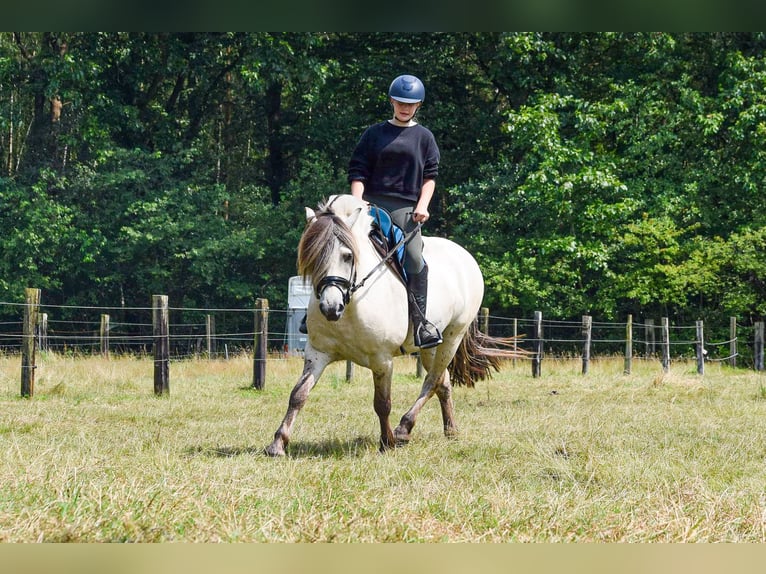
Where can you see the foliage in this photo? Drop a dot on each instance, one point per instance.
(601, 173)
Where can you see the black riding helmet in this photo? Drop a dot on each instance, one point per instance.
(407, 89)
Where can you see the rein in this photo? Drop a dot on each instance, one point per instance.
(386, 259)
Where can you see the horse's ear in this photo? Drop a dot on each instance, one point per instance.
(351, 219)
(310, 215)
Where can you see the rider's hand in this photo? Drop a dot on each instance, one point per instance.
(420, 216)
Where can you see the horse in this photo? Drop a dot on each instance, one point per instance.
(367, 322)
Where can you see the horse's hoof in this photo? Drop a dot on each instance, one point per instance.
(274, 451)
(451, 432)
(387, 442)
(401, 436)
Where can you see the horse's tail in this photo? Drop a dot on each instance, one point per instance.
(479, 354)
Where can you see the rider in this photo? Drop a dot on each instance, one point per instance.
(394, 166)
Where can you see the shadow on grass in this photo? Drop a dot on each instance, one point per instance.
(222, 451)
(331, 448)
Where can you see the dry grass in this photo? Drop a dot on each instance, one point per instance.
(94, 456)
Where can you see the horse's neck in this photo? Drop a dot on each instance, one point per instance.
(368, 257)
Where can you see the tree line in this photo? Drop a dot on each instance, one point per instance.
(598, 173)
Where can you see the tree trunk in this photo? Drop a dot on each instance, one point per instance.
(276, 168)
(42, 143)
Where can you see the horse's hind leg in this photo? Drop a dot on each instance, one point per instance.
(444, 392)
(406, 424)
(441, 387)
(313, 367)
(437, 382)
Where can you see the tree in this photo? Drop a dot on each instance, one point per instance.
(608, 173)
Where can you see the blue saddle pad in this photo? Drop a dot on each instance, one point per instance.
(390, 232)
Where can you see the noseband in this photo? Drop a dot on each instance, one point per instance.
(345, 286)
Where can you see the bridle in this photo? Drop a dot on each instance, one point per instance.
(348, 286)
(345, 286)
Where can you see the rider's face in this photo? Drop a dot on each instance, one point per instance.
(404, 112)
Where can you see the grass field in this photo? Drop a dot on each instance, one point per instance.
(646, 457)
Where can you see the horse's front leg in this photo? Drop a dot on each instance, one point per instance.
(382, 403)
(313, 366)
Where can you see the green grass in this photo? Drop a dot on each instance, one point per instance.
(646, 457)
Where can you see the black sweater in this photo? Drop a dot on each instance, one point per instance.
(394, 161)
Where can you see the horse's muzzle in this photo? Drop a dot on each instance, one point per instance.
(332, 312)
(332, 302)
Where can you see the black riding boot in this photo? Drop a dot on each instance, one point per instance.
(425, 333)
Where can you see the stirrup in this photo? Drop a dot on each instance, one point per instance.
(426, 335)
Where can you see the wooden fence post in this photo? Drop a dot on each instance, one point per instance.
(161, 329)
(349, 371)
(28, 343)
(260, 344)
(537, 359)
(758, 346)
(650, 338)
(210, 336)
(732, 341)
(484, 312)
(665, 344)
(483, 320)
(700, 348)
(628, 346)
(42, 330)
(103, 335)
(515, 336)
(587, 328)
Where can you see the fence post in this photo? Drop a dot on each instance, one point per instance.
(628, 345)
(537, 359)
(515, 338)
(758, 346)
(210, 336)
(260, 343)
(28, 342)
(103, 335)
(349, 371)
(700, 344)
(161, 329)
(732, 341)
(42, 330)
(665, 344)
(484, 312)
(650, 338)
(587, 326)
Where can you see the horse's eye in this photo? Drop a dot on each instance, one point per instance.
(348, 257)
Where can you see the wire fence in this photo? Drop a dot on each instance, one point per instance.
(735, 344)
(195, 332)
(189, 330)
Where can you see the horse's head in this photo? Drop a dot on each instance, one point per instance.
(328, 252)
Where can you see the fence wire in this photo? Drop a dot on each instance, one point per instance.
(77, 329)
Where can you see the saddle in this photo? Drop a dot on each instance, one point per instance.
(384, 235)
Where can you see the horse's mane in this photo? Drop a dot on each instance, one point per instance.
(318, 243)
